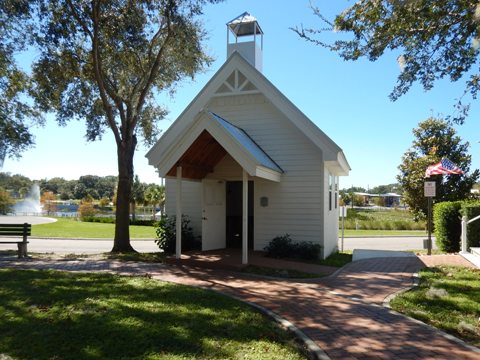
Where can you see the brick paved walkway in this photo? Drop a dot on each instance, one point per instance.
(342, 314)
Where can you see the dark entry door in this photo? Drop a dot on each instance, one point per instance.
(234, 214)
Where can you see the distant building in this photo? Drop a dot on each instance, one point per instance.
(390, 199)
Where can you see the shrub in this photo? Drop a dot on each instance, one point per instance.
(143, 222)
(6, 202)
(284, 247)
(447, 224)
(111, 220)
(166, 235)
(86, 209)
(98, 219)
(472, 210)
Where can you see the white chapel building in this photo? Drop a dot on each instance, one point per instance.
(245, 164)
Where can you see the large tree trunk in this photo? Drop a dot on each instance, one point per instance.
(125, 151)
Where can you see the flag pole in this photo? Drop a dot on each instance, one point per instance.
(429, 242)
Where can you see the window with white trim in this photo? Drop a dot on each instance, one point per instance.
(336, 192)
(330, 188)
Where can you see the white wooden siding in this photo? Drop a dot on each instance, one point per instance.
(227, 169)
(295, 205)
(191, 202)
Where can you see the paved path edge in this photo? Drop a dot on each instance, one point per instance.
(416, 281)
(311, 346)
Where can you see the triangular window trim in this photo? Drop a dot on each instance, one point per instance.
(236, 84)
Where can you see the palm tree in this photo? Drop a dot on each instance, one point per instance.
(155, 195)
(137, 196)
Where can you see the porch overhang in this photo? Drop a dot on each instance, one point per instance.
(199, 149)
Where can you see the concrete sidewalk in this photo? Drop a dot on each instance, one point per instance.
(342, 314)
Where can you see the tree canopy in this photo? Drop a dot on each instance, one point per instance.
(435, 39)
(435, 139)
(16, 113)
(102, 62)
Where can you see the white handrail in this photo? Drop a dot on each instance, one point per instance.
(474, 219)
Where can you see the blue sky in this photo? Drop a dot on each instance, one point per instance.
(347, 100)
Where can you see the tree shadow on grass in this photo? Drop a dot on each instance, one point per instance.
(57, 315)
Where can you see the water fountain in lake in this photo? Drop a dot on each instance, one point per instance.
(31, 204)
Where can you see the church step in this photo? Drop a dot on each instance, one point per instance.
(473, 256)
(475, 251)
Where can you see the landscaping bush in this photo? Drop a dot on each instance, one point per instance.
(111, 220)
(166, 235)
(284, 247)
(98, 219)
(471, 210)
(447, 224)
(143, 222)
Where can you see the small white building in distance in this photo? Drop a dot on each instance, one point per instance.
(245, 164)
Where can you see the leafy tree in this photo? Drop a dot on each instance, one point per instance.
(46, 200)
(103, 61)
(436, 39)
(348, 194)
(18, 185)
(6, 201)
(79, 191)
(383, 189)
(106, 186)
(104, 202)
(435, 139)
(16, 114)
(86, 208)
(53, 185)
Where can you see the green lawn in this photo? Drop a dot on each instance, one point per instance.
(71, 228)
(382, 219)
(58, 315)
(369, 233)
(448, 298)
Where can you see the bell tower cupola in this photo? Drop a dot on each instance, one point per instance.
(248, 39)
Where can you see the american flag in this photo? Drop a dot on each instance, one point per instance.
(443, 167)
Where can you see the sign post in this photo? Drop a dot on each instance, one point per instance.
(429, 192)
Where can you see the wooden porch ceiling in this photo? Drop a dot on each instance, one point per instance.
(200, 158)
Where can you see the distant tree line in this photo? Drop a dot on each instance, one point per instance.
(87, 186)
(86, 189)
(96, 187)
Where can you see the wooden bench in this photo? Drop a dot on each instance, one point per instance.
(11, 230)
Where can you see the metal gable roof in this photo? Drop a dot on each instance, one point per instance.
(246, 142)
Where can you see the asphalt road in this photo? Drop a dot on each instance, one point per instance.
(386, 243)
(92, 246)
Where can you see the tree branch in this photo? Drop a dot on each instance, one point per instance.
(153, 72)
(99, 75)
